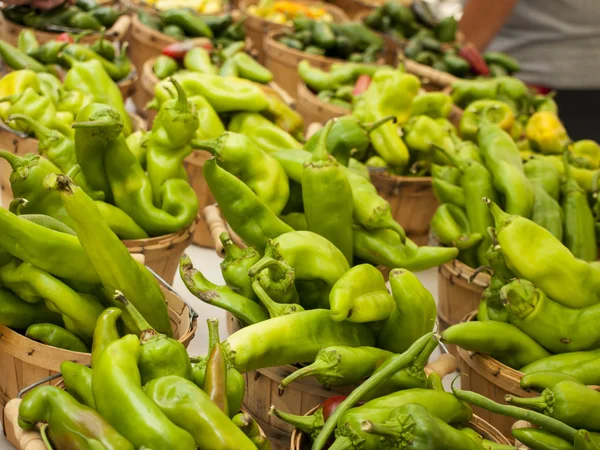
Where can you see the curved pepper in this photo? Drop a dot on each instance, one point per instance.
(262, 132)
(295, 337)
(18, 60)
(250, 69)
(164, 67)
(236, 264)
(241, 307)
(451, 226)
(159, 355)
(545, 180)
(210, 427)
(105, 332)
(17, 314)
(119, 397)
(198, 60)
(563, 362)
(79, 311)
(465, 92)
(546, 133)
(433, 104)
(275, 309)
(416, 426)
(326, 190)
(56, 336)
(360, 295)
(564, 278)
(210, 125)
(115, 266)
(70, 424)
(587, 151)
(500, 340)
(167, 144)
(493, 112)
(78, 382)
(445, 181)
(542, 380)
(571, 403)
(120, 222)
(501, 275)
(41, 108)
(257, 169)
(215, 380)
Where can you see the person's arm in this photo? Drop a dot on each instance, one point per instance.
(482, 19)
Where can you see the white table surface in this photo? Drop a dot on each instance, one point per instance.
(207, 262)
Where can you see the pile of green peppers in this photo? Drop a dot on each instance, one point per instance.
(231, 61)
(144, 391)
(349, 41)
(183, 24)
(83, 15)
(55, 55)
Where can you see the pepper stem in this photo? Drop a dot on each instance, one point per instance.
(320, 152)
(501, 219)
(320, 366)
(267, 262)
(40, 131)
(343, 443)
(232, 251)
(380, 429)
(214, 146)
(275, 309)
(71, 61)
(374, 125)
(147, 332)
(44, 434)
(536, 403)
(58, 182)
(213, 333)
(456, 162)
(17, 205)
(15, 161)
(182, 103)
(308, 424)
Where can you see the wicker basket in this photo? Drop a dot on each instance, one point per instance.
(300, 442)
(412, 201)
(257, 27)
(20, 144)
(9, 32)
(283, 62)
(24, 361)
(313, 109)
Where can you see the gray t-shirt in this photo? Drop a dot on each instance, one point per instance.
(557, 42)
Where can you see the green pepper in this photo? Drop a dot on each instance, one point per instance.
(168, 143)
(26, 42)
(90, 78)
(224, 297)
(358, 34)
(360, 295)
(79, 311)
(116, 70)
(451, 225)
(586, 152)
(56, 336)
(198, 60)
(465, 92)
(48, 52)
(503, 60)
(582, 368)
(173, 31)
(18, 314)
(283, 115)
(247, 349)
(119, 397)
(445, 181)
(78, 382)
(250, 69)
(262, 132)
(423, 135)
(16, 82)
(547, 212)
(159, 354)
(537, 438)
(261, 172)
(251, 219)
(224, 94)
(18, 60)
(120, 222)
(337, 76)
(586, 441)
(568, 402)
(543, 380)
(103, 47)
(107, 15)
(105, 332)
(325, 188)
(546, 133)
(70, 424)
(40, 108)
(456, 65)
(432, 104)
(210, 125)
(191, 23)
(84, 21)
(236, 264)
(580, 232)
(150, 20)
(492, 112)
(210, 427)
(501, 275)
(117, 269)
(446, 29)
(502, 157)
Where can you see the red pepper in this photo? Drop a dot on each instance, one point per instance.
(331, 404)
(65, 37)
(361, 85)
(178, 50)
(469, 52)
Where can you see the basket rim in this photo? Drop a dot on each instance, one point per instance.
(459, 269)
(165, 239)
(400, 178)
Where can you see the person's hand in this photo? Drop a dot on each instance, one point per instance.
(37, 4)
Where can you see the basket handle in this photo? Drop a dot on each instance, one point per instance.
(444, 365)
(216, 226)
(28, 440)
(312, 128)
(119, 28)
(139, 257)
(520, 424)
(287, 98)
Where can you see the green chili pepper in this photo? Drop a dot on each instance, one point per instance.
(26, 42)
(536, 438)
(78, 382)
(173, 31)
(588, 151)
(244, 309)
(251, 219)
(103, 47)
(251, 69)
(150, 20)
(84, 21)
(466, 91)
(502, 59)
(586, 441)
(277, 280)
(229, 69)
(105, 332)
(107, 15)
(451, 226)
(500, 340)
(70, 424)
(314, 329)
(560, 269)
(580, 366)
(117, 269)
(445, 182)
(18, 60)
(120, 222)
(56, 336)
(275, 309)
(432, 104)
(236, 264)
(257, 169)
(119, 397)
(48, 52)
(215, 381)
(90, 78)
(164, 67)
(79, 52)
(568, 402)
(493, 112)
(262, 132)
(500, 276)
(18, 314)
(544, 380)
(32, 284)
(198, 60)
(416, 425)
(311, 425)
(192, 24)
(546, 133)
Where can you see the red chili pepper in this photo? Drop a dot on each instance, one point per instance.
(469, 52)
(65, 37)
(179, 49)
(331, 404)
(361, 85)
